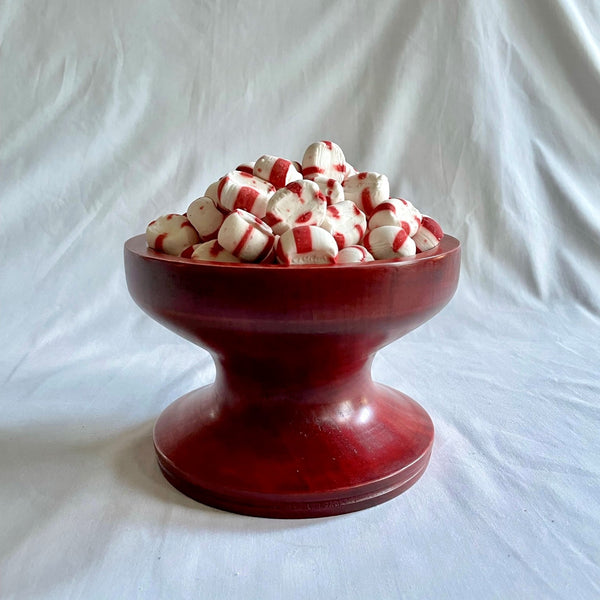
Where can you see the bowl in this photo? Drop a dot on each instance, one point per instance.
(293, 425)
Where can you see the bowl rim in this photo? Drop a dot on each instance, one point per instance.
(137, 245)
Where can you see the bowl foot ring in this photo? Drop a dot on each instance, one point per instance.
(283, 460)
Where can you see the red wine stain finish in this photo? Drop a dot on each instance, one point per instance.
(266, 446)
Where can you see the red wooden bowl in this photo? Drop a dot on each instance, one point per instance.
(293, 425)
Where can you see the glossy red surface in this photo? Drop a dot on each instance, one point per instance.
(293, 425)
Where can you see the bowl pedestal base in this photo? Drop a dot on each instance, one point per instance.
(320, 450)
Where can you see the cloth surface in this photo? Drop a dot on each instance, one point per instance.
(484, 114)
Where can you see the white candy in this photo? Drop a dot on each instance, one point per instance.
(353, 254)
(324, 158)
(242, 190)
(306, 245)
(277, 171)
(367, 190)
(212, 191)
(389, 242)
(246, 236)
(346, 223)
(298, 203)
(428, 235)
(330, 188)
(396, 212)
(171, 234)
(206, 218)
(213, 251)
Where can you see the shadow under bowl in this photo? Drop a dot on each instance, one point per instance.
(293, 425)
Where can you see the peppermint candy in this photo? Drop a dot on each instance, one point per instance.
(320, 211)
(298, 203)
(239, 189)
(306, 245)
(171, 234)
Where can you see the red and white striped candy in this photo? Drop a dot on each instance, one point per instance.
(306, 245)
(389, 242)
(242, 190)
(271, 257)
(367, 190)
(212, 191)
(206, 218)
(416, 214)
(171, 234)
(428, 235)
(354, 254)
(330, 188)
(212, 251)
(298, 203)
(324, 158)
(277, 171)
(247, 167)
(396, 212)
(246, 236)
(346, 223)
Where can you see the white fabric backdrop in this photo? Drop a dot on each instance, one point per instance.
(485, 114)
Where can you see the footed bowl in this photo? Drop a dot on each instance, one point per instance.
(293, 425)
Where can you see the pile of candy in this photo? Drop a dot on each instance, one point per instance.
(279, 211)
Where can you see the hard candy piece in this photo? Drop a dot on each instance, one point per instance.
(212, 251)
(277, 171)
(354, 254)
(367, 190)
(428, 235)
(389, 242)
(324, 158)
(247, 192)
(330, 188)
(346, 223)
(171, 234)
(212, 191)
(396, 212)
(206, 218)
(306, 245)
(298, 203)
(246, 236)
